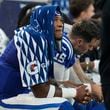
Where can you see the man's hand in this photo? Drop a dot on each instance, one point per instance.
(83, 95)
(97, 92)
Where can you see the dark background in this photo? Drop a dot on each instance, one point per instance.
(9, 11)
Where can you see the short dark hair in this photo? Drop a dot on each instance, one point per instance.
(98, 23)
(77, 6)
(86, 30)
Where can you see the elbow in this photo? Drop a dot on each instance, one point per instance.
(40, 90)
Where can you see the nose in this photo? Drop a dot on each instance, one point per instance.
(60, 23)
(93, 13)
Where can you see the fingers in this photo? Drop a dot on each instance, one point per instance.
(88, 94)
(83, 95)
(84, 102)
(86, 98)
(88, 87)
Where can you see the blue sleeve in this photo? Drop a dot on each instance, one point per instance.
(9, 56)
(70, 60)
(31, 57)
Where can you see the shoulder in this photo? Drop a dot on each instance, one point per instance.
(67, 45)
(66, 42)
(29, 35)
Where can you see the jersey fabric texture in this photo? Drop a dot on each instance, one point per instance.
(34, 45)
(63, 59)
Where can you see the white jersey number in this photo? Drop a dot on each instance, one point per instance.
(60, 57)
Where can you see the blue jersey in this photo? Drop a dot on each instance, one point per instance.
(10, 80)
(33, 59)
(29, 59)
(63, 59)
(35, 47)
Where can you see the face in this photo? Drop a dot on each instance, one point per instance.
(88, 13)
(81, 46)
(58, 25)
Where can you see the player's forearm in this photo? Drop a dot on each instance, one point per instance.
(80, 73)
(42, 90)
(48, 90)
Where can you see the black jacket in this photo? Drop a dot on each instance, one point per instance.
(104, 67)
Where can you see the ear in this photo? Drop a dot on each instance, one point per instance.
(79, 41)
(82, 14)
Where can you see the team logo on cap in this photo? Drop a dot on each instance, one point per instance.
(57, 13)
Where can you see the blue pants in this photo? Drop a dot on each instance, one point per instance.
(93, 105)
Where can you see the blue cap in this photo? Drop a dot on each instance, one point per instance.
(57, 13)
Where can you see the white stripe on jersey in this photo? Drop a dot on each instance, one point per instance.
(27, 55)
(69, 45)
